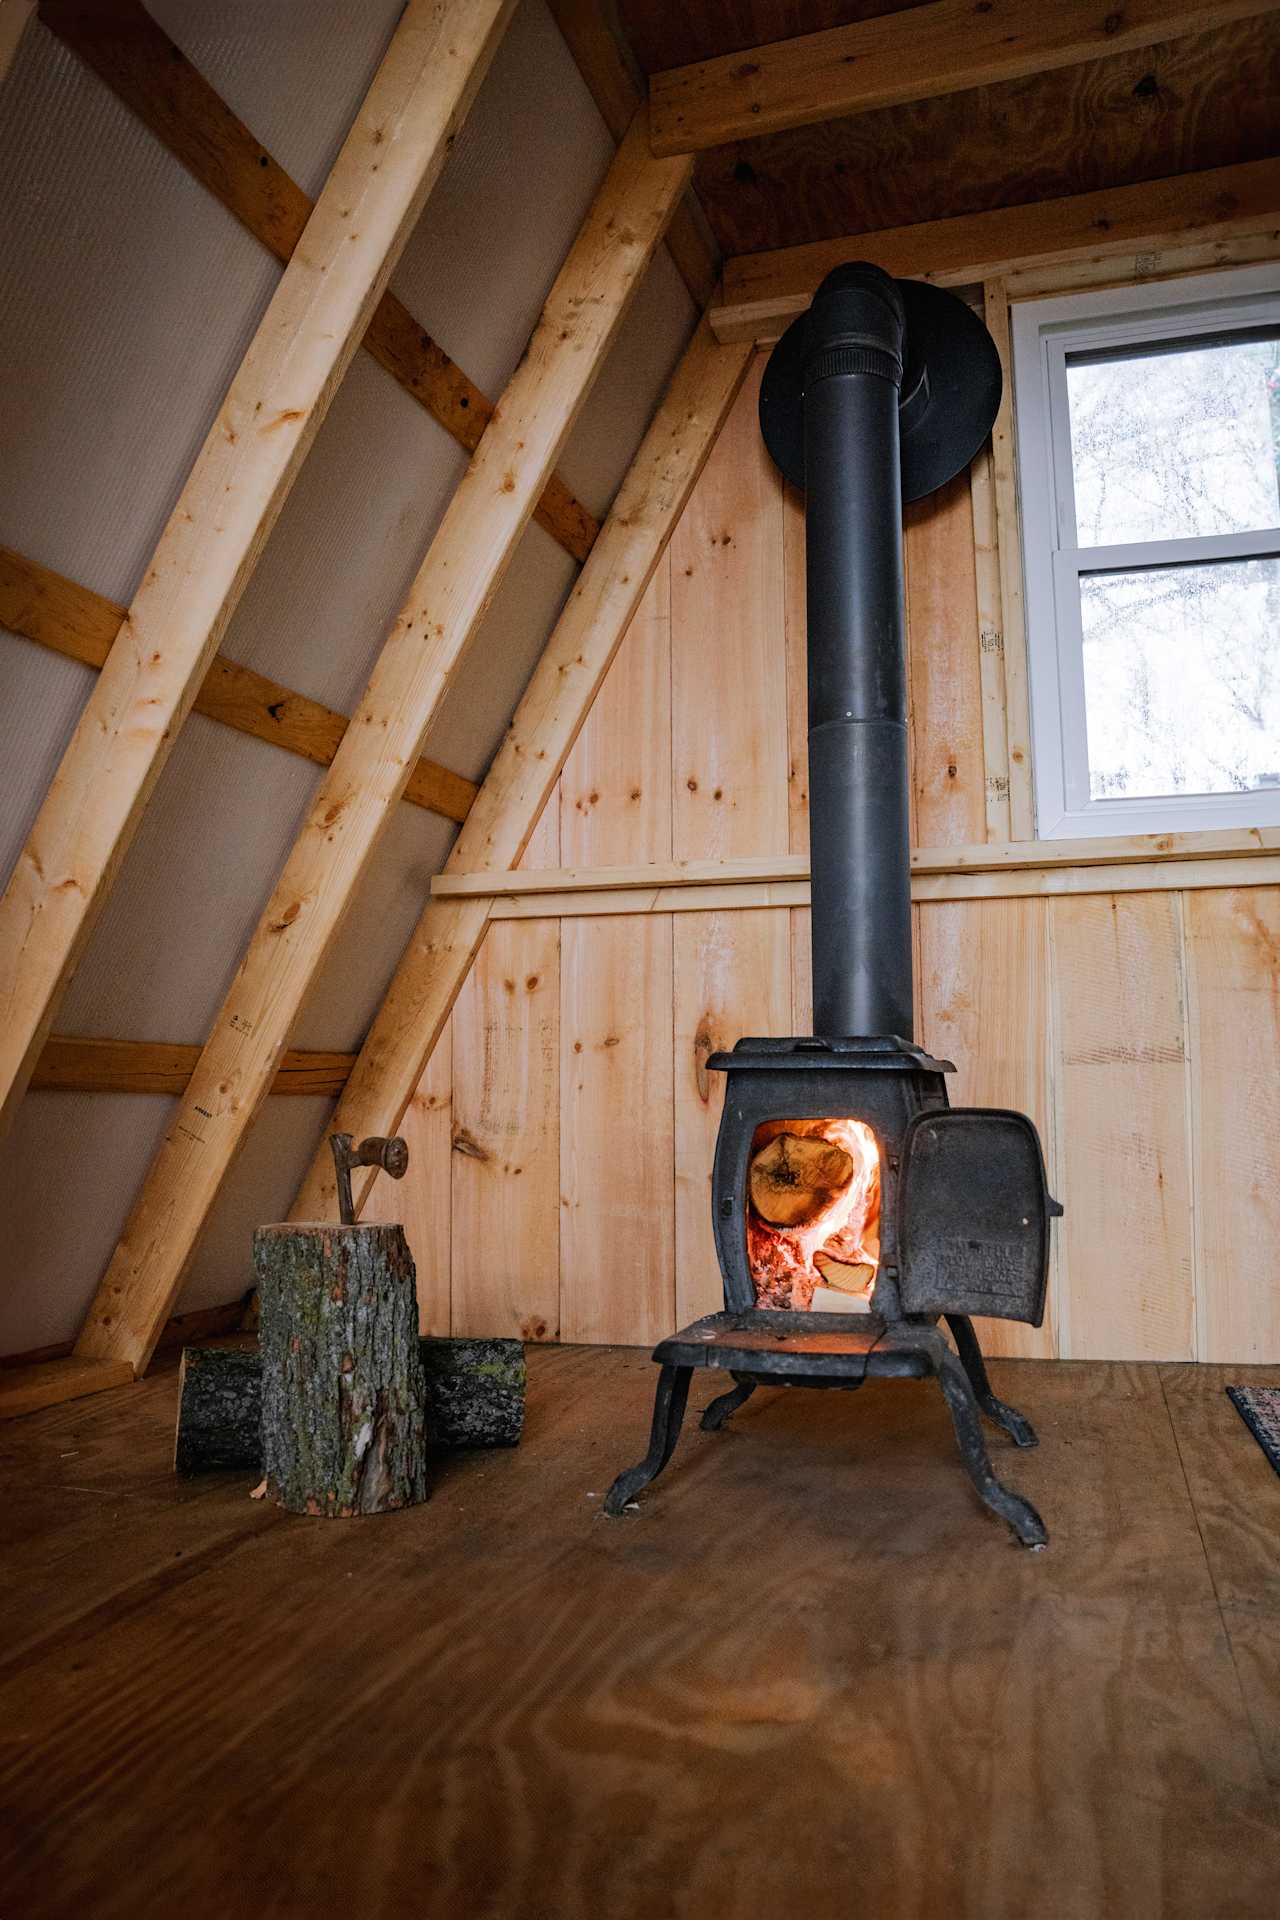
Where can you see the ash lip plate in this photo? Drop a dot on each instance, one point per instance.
(973, 1215)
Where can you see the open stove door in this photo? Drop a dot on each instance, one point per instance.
(973, 1215)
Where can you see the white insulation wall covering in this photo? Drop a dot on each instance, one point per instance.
(127, 298)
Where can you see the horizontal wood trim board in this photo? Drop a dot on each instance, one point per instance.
(1018, 883)
(919, 54)
(1111, 850)
(49, 1382)
(72, 1065)
(73, 620)
(136, 59)
(763, 291)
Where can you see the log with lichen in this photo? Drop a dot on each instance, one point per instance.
(343, 1418)
(475, 1395)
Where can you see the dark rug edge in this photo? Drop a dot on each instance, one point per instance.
(1266, 1433)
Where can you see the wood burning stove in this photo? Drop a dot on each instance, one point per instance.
(841, 1172)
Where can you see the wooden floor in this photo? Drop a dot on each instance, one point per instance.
(811, 1677)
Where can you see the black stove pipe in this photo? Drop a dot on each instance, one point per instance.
(858, 779)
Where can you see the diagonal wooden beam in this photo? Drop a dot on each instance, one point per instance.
(447, 601)
(546, 724)
(137, 60)
(617, 87)
(764, 291)
(73, 620)
(241, 478)
(945, 47)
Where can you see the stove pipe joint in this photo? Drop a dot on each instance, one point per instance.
(852, 372)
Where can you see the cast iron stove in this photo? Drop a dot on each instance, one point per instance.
(879, 394)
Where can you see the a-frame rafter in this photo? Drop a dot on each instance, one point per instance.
(462, 570)
(241, 478)
(528, 764)
(131, 53)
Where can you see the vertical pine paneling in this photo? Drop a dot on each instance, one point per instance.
(731, 979)
(616, 785)
(1233, 947)
(421, 1200)
(948, 774)
(728, 661)
(984, 1003)
(617, 1233)
(506, 1184)
(1122, 1109)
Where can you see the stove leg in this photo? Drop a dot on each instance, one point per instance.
(668, 1417)
(716, 1413)
(1015, 1424)
(1011, 1507)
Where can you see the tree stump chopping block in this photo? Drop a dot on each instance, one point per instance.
(342, 1390)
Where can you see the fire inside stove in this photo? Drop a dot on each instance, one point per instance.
(813, 1222)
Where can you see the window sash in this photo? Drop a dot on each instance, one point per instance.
(1045, 333)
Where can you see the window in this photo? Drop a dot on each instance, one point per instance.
(1149, 454)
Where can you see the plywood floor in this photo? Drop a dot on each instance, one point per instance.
(810, 1678)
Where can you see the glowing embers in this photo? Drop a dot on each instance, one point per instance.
(813, 1222)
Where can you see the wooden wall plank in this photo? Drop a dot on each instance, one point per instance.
(990, 602)
(1120, 1019)
(506, 1136)
(1233, 946)
(421, 1201)
(615, 791)
(983, 998)
(731, 976)
(617, 1233)
(1013, 621)
(948, 775)
(728, 665)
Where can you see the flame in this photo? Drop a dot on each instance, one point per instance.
(783, 1259)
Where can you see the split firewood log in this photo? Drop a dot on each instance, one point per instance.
(842, 1275)
(795, 1179)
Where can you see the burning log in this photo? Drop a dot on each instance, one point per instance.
(795, 1180)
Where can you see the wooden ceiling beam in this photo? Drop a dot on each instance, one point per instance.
(529, 762)
(461, 573)
(946, 47)
(617, 88)
(763, 292)
(151, 76)
(225, 512)
(70, 1064)
(73, 620)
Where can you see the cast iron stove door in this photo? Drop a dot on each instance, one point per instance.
(973, 1215)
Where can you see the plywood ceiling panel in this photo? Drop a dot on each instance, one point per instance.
(1205, 100)
(663, 35)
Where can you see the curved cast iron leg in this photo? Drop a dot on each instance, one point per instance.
(668, 1416)
(717, 1412)
(1011, 1507)
(1015, 1424)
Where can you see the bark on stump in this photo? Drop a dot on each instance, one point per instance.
(475, 1392)
(342, 1393)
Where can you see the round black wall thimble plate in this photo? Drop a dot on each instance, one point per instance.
(951, 388)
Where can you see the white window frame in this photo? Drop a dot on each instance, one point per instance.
(1044, 332)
